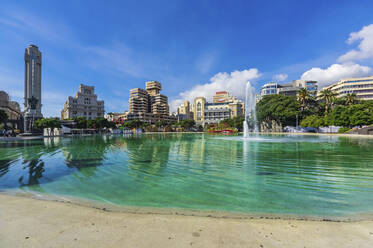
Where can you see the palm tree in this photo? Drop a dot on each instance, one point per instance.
(350, 98)
(328, 95)
(304, 96)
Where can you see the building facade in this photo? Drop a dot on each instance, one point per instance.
(289, 89)
(268, 89)
(83, 104)
(32, 99)
(148, 105)
(223, 107)
(184, 111)
(362, 87)
(12, 109)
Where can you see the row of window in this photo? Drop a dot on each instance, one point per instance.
(85, 113)
(357, 86)
(217, 114)
(356, 91)
(359, 81)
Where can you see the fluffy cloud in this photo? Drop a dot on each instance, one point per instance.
(280, 77)
(335, 72)
(234, 83)
(365, 47)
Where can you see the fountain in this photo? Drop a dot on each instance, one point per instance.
(250, 111)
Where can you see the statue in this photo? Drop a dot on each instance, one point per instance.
(33, 102)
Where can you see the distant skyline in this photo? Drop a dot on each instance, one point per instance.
(193, 48)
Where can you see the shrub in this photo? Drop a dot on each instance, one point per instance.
(343, 130)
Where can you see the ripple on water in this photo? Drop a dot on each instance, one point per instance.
(281, 175)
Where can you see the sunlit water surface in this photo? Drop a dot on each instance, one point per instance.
(297, 175)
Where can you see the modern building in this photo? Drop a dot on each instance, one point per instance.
(269, 89)
(139, 101)
(12, 109)
(184, 111)
(158, 102)
(289, 89)
(83, 104)
(32, 99)
(148, 105)
(362, 87)
(223, 107)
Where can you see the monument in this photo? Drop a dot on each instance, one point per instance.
(32, 87)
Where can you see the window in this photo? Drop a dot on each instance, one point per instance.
(87, 100)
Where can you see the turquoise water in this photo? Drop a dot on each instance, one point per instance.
(298, 175)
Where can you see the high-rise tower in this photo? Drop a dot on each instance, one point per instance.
(32, 87)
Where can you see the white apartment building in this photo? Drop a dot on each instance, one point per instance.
(362, 87)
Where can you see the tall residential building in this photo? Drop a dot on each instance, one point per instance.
(158, 102)
(224, 107)
(139, 101)
(83, 104)
(148, 105)
(32, 99)
(362, 87)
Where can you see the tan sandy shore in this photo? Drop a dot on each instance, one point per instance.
(26, 222)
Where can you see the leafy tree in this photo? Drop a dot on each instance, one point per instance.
(314, 121)
(91, 124)
(81, 122)
(328, 96)
(235, 122)
(352, 115)
(304, 97)
(350, 99)
(50, 123)
(133, 124)
(280, 108)
(187, 124)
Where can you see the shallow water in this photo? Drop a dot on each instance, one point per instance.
(267, 174)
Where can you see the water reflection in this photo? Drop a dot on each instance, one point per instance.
(198, 171)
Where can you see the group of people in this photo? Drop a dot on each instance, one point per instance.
(8, 133)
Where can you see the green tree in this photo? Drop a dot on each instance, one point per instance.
(328, 96)
(313, 121)
(304, 97)
(350, 98)
(50, 123)
(187, 124)
(279, 108)
(81, 122)
(235, 122)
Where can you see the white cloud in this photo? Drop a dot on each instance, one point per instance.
(280, 77)
(335, 72)
(365, 47)
(234, 83)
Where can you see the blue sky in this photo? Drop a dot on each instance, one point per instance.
(192, 47)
